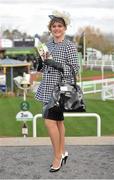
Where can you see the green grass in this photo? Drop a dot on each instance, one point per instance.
(86, 73)
(10, 106)
(92, 73)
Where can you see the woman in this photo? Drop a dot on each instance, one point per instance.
(62, 51)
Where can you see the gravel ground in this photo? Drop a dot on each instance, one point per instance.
(32, 162)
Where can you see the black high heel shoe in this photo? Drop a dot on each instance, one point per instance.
(52, 169)
(65, 157)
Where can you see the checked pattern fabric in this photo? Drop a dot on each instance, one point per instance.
(63, 52)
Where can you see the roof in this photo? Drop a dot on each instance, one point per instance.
(13, 63)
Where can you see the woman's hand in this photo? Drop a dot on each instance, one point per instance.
(52, 63)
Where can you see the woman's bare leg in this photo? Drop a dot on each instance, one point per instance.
(55, 139)
(61, 129)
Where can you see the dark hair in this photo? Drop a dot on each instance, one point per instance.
(56, 19)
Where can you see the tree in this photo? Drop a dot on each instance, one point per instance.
(15, 34)
(7, 34)
(94, 39)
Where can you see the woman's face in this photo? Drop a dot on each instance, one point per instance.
(58, 30)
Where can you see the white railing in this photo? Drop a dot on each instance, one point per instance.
(107, 92)
(38, 116)
(95, 85)
(99, 63)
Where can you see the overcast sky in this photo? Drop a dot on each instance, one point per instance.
(31, 16)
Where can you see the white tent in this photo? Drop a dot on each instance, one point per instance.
(94, 53)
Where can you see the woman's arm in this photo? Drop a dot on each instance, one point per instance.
(72, 59)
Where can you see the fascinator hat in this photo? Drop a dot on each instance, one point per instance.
(60, 15)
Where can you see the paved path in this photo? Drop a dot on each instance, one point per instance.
(30, 158)
(30, 141)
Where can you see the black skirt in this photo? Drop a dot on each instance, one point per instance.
(54, 113)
